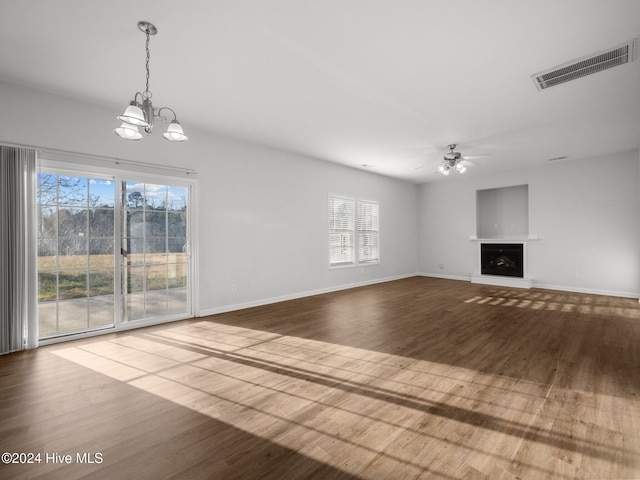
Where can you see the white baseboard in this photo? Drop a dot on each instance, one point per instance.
(294, 296)
(447, 277)
(593, 291)
(546, 286)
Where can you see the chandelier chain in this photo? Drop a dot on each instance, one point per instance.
(147, 92)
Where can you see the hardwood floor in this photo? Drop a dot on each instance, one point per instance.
(417, 378)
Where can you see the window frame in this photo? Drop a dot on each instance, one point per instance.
(334, 231)
(361, 232)
(356, 232)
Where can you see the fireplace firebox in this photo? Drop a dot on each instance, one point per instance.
(504, 259)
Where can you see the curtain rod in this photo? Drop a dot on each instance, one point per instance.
(100, 159)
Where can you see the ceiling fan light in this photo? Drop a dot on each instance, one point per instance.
(461, 167)
(175, 133)
(444, 169)
(128, 131)
(133, 115)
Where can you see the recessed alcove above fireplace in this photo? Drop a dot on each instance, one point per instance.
(502, 212)
(502, 232)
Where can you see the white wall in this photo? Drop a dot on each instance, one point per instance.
(257, 203)
(262, 213)
(274, 207)
(586, 210)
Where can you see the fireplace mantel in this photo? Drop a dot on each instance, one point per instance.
(505, 238)
(518, 282)
(501, 281)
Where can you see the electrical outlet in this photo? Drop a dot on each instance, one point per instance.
(234, 288)
(441, 266)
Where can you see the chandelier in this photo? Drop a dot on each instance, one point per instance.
(451, 161)
(141, 113)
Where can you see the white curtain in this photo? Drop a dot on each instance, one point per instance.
(18, 253)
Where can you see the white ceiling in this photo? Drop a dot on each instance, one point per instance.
(386, 83)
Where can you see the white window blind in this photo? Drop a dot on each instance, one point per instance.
(368, 223)
(353, 231)
(341, 230)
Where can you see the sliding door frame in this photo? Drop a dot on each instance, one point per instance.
(54, 163)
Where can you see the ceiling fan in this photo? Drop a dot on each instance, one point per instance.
(454, 161)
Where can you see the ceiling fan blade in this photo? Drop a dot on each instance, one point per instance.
(430, 163)
(471, 163)
(473, 157)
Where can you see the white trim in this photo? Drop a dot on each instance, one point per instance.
(95, 171)
(502, 281)
(294, 296)
(85, 159)
(505, 238)
(193, 234)
(148, 322)
(534, 284)
(592, 291)
(446, 277)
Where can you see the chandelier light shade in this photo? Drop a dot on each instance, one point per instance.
(133, 115)
(128, 131)
(174, 133)
(141, 113)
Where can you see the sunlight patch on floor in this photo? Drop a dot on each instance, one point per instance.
(571, 303)
(349, 405)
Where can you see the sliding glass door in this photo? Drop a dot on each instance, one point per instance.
(110, 251)
(155, 268)
(76, 261)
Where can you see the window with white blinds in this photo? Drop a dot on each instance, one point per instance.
(341, 230)
(368, 247)
(353, 231)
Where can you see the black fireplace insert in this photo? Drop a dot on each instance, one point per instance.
(504, 259)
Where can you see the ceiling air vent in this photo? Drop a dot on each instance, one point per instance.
(584, 66)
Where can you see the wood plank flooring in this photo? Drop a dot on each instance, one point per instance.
(416, 378)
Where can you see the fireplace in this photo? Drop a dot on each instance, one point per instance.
(503, 259)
